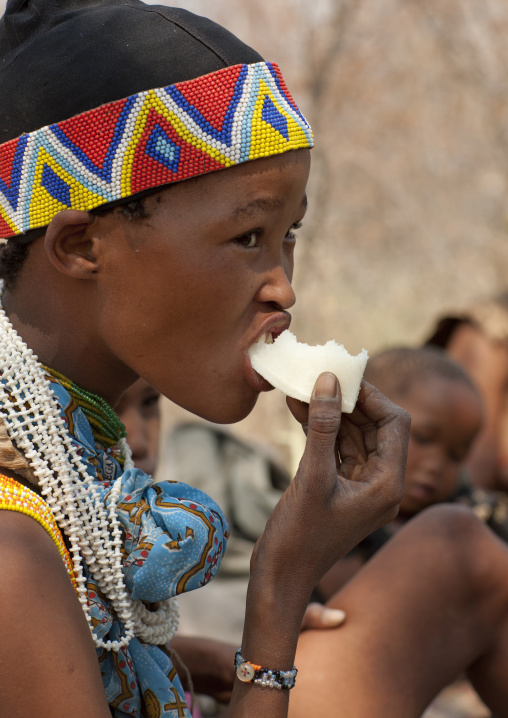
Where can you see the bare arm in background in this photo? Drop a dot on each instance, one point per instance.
(487, 363)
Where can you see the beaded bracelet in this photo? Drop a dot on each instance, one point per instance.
(248, 672)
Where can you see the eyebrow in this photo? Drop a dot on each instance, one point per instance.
(265, 204)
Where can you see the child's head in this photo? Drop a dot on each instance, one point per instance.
(446, 415)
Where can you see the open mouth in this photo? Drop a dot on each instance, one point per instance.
(266, 338)
(269, 337)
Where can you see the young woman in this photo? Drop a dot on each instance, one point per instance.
(200, 142)
(152, 174)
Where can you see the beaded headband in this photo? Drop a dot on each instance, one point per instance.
(153, 138)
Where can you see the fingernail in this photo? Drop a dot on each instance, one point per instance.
(327, 386)
(333, 616)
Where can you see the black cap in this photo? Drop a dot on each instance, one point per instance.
(59, 58)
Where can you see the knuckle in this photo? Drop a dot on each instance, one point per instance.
(402, 417)
(405, 418)
(387, 493)
(325, 422)
(394, 493)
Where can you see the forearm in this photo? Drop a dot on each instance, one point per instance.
(321, 516)
(272, 625)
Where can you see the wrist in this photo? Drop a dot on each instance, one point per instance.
(272, 624)
(247, 672)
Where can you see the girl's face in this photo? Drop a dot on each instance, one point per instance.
(446, 415)
(186, 291)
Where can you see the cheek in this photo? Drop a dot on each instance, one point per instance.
(288, 263)
(153, 433)
(450, 480)
(414, 455)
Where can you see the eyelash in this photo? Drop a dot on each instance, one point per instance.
(291, 232)
(246, 239)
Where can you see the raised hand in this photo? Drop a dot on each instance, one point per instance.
(350, 482)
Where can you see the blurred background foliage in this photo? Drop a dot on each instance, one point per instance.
(408, 198)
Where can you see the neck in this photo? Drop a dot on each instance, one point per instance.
(60, 340)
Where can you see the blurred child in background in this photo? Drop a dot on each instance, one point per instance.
(446, 416)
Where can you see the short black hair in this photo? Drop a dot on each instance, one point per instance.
(394, 371)
(13, 252)
(12, 257)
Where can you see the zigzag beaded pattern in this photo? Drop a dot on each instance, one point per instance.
(16, 497)
(150, 139)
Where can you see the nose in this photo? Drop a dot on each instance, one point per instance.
(277, 289)
(437, 463)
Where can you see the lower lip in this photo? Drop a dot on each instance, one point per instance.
(255, 380)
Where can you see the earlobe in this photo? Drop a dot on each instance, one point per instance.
(69, 243)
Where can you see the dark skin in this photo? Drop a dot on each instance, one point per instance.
(427, 607)
(139, 411)
(446, 416)
(210, 662)
(178, 299)
(220, 270)
(487, 363)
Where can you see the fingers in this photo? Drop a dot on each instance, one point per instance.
(319, 457)
(373, 440)
(299, 409)
(384, 424)
(319, 616)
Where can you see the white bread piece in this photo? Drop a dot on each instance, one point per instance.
(293, 367)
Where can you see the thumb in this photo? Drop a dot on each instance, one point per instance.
(324, 422)
(319, 616)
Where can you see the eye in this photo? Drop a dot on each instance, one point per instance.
(291, 231)
(249, 240)
(457, 455)
(420, 437)
(150, 400)
(149, 405)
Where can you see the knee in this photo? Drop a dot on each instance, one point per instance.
(451, 523)
(450, 534)
(462, 541)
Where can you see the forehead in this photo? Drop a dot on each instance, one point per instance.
(439, 397)
(262, 185)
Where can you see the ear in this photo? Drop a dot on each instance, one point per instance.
(70, 243)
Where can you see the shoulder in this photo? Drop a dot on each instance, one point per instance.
(36, 593)
(28, 557)
(48, 658)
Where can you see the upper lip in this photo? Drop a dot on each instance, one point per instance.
(274, 324)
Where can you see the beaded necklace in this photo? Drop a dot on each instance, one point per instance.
(34, 424)
(106, 426)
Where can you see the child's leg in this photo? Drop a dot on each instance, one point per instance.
(430, 604)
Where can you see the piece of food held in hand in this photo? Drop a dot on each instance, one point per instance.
(293, 367)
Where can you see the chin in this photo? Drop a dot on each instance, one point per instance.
(226, 412)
